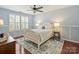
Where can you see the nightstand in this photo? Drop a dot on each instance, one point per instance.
(56, 36)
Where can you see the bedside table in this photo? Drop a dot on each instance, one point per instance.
(8, 47)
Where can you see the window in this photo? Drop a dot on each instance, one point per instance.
(17, 22)
(24, 22)
(11, 22)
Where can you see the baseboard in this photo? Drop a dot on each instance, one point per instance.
(72, 41)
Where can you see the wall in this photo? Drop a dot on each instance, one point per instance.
(4, 13)
(69, 16)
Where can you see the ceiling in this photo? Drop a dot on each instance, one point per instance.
(25, 8)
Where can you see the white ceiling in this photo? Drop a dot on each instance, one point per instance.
(25, 8)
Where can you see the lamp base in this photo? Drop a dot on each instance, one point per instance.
(56, 36)
(3, 40)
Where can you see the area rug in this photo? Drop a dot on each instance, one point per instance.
(49, 47)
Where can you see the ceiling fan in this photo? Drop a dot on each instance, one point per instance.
(36, 8)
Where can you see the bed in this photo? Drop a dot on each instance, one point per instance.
(38, 36)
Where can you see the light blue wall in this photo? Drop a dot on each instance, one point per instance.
(70, 16)
(4, 13)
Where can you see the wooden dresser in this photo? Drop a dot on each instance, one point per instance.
(8, 47)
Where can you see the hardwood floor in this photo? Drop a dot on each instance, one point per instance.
(70, 48)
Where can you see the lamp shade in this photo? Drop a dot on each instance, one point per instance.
(56, 24)
(1, 22)
(56, 27)
(37, 24)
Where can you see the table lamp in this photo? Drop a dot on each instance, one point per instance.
(56, 32)
(2, 37)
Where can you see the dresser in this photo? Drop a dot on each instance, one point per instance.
(8, 47)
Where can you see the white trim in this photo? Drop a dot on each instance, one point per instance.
(70, 33)
(72, 41)
(70, 27)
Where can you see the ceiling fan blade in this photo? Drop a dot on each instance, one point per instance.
(39, 7)
(39, 10)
